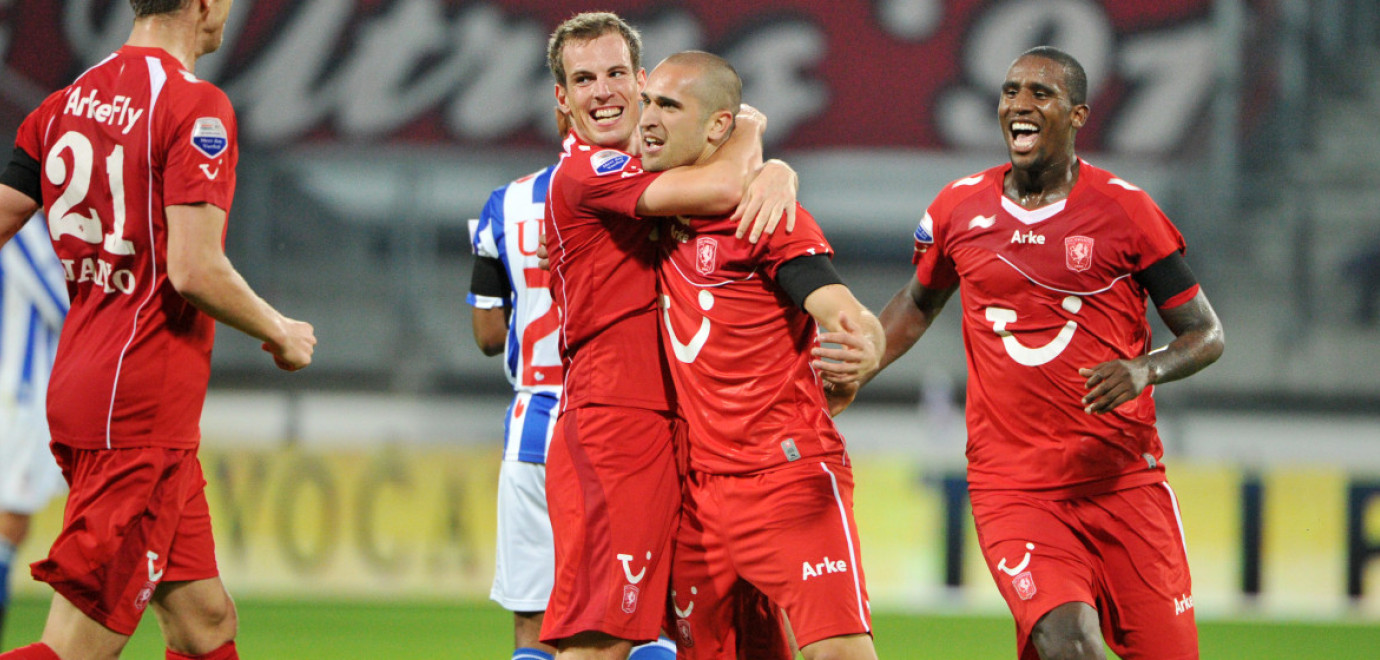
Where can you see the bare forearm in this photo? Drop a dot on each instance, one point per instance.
(1188, 354)
(15, 210)
(902, 325)
(1198, 341)
(907, 316)
(216, 288)
(490, 329)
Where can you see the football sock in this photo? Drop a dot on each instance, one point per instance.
(525, 653)
(225, 652)
(662, 649)
(39, 651)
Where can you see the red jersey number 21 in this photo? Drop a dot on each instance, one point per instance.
(61, 220)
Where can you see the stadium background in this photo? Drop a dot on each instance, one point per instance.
(372, 129)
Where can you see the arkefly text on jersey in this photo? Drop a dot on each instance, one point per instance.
(101, 273)
(115, 113)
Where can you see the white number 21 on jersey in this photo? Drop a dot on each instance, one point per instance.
(61, 220)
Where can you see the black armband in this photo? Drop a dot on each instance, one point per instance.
(1167, 278)
(22, 175)
(489, 279)
(800, 276)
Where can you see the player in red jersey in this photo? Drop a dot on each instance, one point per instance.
(1055, 258)
(611, 455)
(134, 164)
(769, 492)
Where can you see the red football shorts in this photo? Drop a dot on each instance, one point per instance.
(134, 518)
(789, 533)
(1121, 552)
(614, 500)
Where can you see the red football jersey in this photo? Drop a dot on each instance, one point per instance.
(1045, 293)
(602, 280)
(132, 135)
(739, 347)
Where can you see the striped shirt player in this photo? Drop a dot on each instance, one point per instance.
(510, 288)
(33, 303)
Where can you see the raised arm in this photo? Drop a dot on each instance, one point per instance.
(1198, 342)
(201, 273)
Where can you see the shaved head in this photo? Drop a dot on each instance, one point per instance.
(717, 85)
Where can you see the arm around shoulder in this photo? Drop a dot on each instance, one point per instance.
(713, 187)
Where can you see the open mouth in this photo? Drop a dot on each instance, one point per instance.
(652, 144)
(606, 115)
(1023, 135)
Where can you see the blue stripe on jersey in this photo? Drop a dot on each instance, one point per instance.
(493, 215)
(532, 447)
(514, 352)
(40, 272)
(26, 375)
(541, 185)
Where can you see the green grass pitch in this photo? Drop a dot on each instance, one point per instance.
(337, 630)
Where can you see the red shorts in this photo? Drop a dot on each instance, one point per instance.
(1121, 552)
(614, 500)
(787, 532)
(134, 518)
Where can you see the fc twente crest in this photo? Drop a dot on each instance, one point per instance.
(706, 255)
(1078, 252)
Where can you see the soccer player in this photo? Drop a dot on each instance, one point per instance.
(513, 311)
(1055, 258)
(769, 494)
(33, 302)
(611, 457)
(134, 164)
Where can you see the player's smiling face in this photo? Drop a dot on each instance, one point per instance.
(674, 130)
(601, 90)
(1038, 119)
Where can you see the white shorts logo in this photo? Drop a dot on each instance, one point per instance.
(1025, 561)
(627, 569)
(154, 574)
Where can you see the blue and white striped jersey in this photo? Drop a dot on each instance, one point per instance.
(33, 304)
(509, 229)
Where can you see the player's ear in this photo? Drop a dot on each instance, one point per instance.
(1080, 115)
(720, 126)
(641, 80)
(561, 105)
